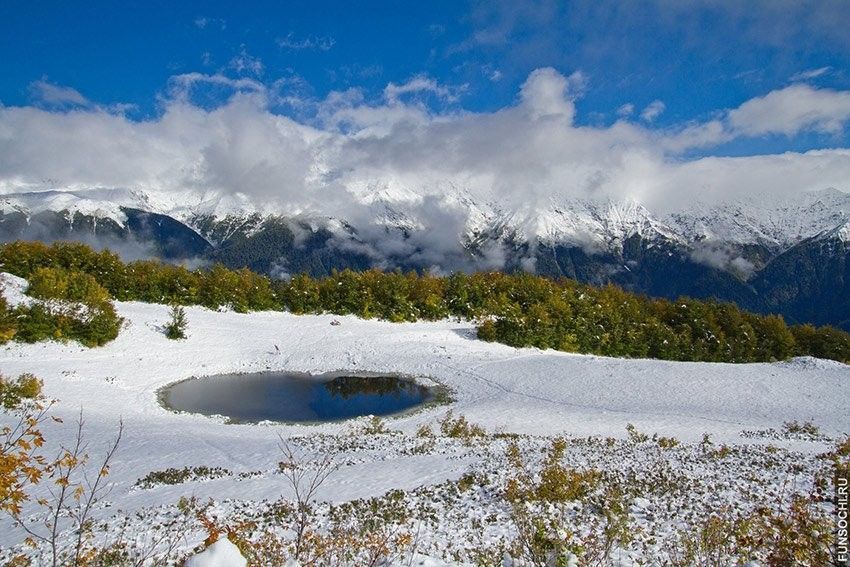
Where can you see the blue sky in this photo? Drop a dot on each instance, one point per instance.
(659, 89)
(695, 57)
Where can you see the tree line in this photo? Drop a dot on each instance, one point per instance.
(515, 309)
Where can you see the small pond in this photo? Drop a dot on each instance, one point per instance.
(295, 396)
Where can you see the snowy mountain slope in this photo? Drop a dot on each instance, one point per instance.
(105, 202)
(607, 224)
(99, 203)
(840, 233)
(759, 220)
(603, 224)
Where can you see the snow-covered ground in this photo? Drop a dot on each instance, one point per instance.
(508, 390)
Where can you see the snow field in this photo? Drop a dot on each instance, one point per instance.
(532, 394)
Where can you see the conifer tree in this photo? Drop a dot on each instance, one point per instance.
(176, 327)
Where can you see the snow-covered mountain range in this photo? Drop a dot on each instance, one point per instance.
(775, 255)
(776, 224)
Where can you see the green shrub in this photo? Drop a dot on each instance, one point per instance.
(667, 442)
(822, 342)
(61, 284)
(15, 391)
(561, 484)
(554, 482)
(8, 322)
(36, 323)
(70, 305)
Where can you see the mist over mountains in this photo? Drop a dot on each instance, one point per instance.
(787, 256)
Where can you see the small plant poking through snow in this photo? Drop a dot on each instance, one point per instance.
(806, 430)
(424, 431)
(375, 426)
(305, 475)
(176, 327)
(553, 483)
(179, 476)
(667, 442)
(460, 428)
(636, 436)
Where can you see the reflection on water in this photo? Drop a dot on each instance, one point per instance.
(292, 396)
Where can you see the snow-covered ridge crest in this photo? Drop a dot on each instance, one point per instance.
(607, 222)
(98, 203)
(762, 220)
(603, 223)
(841, 233)
(107, 202)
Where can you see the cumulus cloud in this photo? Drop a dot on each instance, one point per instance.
(521, 153)
(790, 111)
(546, 92)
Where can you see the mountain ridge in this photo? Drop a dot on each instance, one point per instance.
(787, 257)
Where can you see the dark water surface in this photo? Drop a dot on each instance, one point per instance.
(294, 396)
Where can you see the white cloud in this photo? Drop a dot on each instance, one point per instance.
(57, 95)
(422, 83)
(810, 74)
(714, 254)
(180, 86)
(626, 110)
(653, 110)
(245, 63)
(546, 92)
(311, 42)
(789, 111)
(792, 110)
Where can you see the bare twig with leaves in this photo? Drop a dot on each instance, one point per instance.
(20, 464)
(72, 495)
(305, 475)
